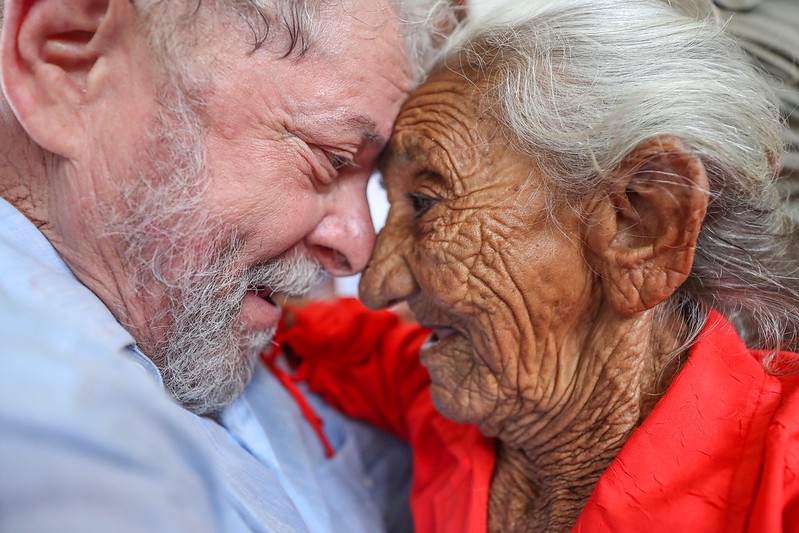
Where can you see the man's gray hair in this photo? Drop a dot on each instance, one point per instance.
(289, 27)
(578, 84)
(294, 26)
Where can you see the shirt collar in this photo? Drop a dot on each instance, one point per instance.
(17, 231)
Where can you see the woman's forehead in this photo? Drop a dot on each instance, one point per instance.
(444, 113)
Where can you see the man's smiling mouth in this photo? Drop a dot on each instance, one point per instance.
(267, 294)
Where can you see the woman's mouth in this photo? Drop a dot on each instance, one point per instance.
(438, 335)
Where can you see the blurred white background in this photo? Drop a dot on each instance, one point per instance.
(378, 205)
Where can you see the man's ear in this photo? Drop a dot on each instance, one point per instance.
(644, 232)
(51, 53)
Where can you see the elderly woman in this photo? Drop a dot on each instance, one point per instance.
(583, 219)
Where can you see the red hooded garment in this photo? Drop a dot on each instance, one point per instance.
(719, 452)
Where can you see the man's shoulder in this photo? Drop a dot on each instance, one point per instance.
(79, 417)
(87, 437)
(59, 337)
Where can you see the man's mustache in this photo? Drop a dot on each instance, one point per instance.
(291, 274)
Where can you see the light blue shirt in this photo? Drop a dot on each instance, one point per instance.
(89, 440)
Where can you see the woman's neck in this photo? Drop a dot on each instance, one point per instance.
(526, 497)
(544, 477)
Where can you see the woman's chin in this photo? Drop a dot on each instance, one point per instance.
(447, 405)
(444, 359)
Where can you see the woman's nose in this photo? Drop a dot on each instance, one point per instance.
(387, 279)
(343, 240)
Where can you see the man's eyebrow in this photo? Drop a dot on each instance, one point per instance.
(358, 128)
(368, 129)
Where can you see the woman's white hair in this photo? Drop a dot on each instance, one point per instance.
(579, 84)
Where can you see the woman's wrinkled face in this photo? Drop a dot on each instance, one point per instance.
(472, 244)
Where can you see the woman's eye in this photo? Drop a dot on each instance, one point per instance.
(421, 203)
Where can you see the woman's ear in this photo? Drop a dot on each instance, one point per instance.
(52, 52)
(644, 232)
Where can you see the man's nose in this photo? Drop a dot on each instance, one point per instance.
(388, 279)
(343, 240)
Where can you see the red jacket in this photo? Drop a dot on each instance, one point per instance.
(720, 451)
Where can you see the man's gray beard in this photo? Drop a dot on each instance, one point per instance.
(207, 358)
(188, 270)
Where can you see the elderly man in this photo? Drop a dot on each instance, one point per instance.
(165, 168)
